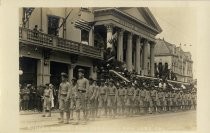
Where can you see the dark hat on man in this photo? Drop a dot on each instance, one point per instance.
(47, 84)
(81, 70)
(64, 75)
(111, 81)
(102, 80)
(91, 79)
(98, 81)
(73, 79)
(125, 83)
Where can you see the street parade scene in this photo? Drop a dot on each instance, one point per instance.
(87, 99)
(103, 66)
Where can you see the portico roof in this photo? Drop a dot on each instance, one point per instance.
(147, 19)
(136, 19)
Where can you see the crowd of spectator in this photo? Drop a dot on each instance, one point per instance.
(31, 97)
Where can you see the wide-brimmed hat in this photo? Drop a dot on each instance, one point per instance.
(111, 81)
(28, 85)
(47, 84)
(64, 75)
(81, 70)
(91, 79)
(73, 79)
(50, 85)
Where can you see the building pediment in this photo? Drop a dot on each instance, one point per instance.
(136, 20)
(135, 13)
(143, 14)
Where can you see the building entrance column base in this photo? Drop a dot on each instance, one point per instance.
(43, 72)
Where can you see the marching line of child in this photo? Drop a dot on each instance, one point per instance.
(95, 99)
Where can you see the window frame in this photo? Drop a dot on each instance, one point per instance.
(82, 32)
(57, 17)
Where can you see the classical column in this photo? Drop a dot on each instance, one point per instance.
(152, 58)
(43, 72)
(91, 37)
(138, 54)
(46, 73)
(145, 58)
(39, 72)
(71, 71)
(109, 29)
(120, 45)
(129, 52)
(141, 58)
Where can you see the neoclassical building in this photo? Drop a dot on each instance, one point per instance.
(60, 46)
(136, 28)
(169, 56)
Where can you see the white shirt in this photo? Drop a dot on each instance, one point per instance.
(160, 85)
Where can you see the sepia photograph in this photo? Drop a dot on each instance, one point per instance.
(111, 69)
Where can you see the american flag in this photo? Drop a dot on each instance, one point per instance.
(113, 38)
(27, 14)
(82, 24)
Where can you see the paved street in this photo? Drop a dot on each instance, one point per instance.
(158, 122)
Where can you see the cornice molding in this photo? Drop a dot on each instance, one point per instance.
(164, 54)
(117, 13)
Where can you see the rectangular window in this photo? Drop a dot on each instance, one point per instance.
(53, 24)
(85, 37)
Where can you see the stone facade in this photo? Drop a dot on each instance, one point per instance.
(178, 61)
(136, 29)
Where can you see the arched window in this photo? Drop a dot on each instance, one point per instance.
(156, 70)
(160, 69)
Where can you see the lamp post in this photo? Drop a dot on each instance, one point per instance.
(20, 72)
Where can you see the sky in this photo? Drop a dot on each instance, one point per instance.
(179, 25)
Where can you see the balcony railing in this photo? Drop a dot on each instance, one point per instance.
(57, 43)
(68, 44)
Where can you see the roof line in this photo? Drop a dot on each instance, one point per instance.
(130, 16)
(153, 18)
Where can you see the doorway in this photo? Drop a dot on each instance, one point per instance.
(29, 68)
(56, 68)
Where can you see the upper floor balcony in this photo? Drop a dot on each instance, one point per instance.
(32, 37)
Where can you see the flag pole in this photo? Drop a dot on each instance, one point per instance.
(64, 21)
